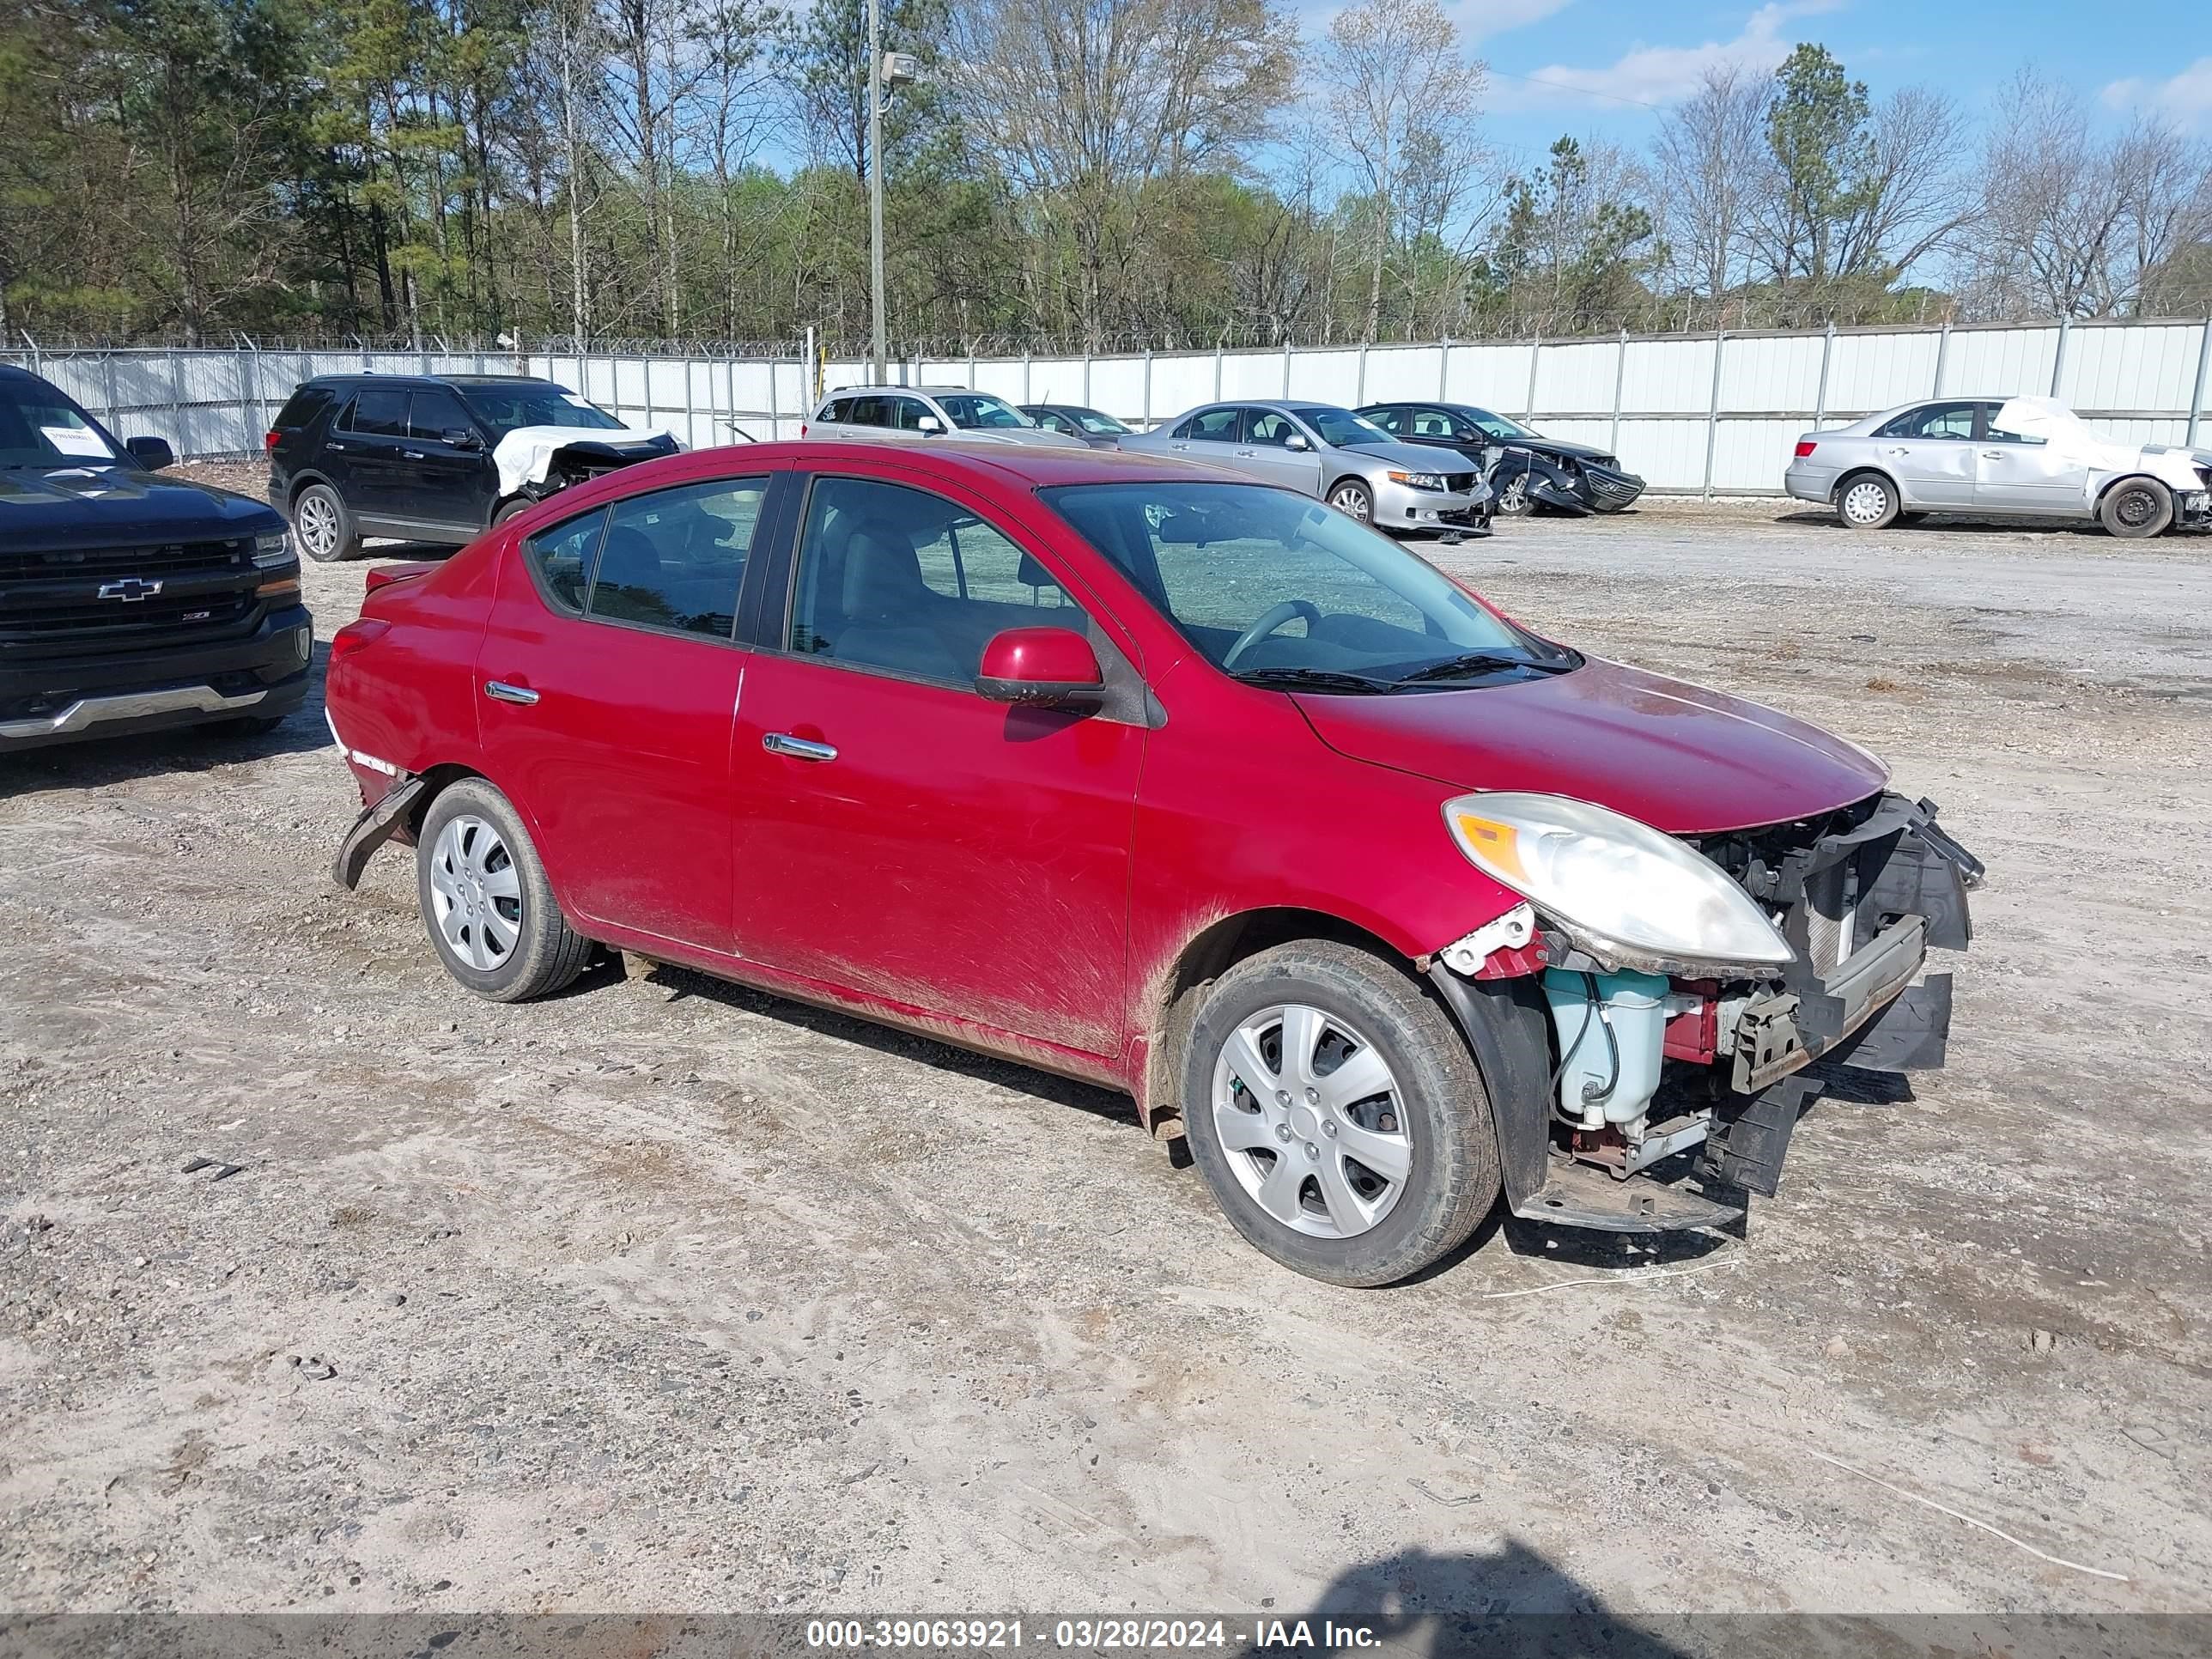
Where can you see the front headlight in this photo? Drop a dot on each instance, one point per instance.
(272, 549)
(1621, 890)
(1419, 480)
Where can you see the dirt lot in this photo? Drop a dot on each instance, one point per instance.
(664, 1295)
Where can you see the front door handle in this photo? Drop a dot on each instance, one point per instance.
(500, 691)
(337, 447)
(410, 455)
(806, 749)
(1993, 454)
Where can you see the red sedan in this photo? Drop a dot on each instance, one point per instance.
(1189, 786)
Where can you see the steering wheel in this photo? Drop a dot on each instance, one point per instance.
(1274, 617)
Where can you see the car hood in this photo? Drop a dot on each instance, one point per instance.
(1679, 758)
(65, 507)
(1415, 457)
(1557, 447)
(2070, 438)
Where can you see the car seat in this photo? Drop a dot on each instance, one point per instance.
(885, 605)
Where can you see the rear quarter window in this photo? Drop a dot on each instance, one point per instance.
(562, 558)
(304, 405)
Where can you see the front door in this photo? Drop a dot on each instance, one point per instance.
(607, 685)
(1930, 452)
(905, 837)
(1267, 452)
(2015, 473)
(446, 482)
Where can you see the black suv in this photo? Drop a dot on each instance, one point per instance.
(415, 456)
(129, 602)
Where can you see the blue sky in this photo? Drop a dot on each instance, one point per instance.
(1573, 53)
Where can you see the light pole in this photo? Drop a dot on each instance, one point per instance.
(886, 72)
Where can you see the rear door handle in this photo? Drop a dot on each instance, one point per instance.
(410, 455)
(500, 691)
(1993, 454)
(337, 447)
(806, 749)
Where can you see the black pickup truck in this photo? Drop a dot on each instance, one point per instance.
(130, 602)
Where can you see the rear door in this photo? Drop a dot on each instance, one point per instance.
(607, 685)
(447, 477)
(1930, 452)
(2014, 473)
(370, 436)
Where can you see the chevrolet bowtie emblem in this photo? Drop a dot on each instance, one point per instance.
(130, 590)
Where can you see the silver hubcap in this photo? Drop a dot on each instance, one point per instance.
(317, 524)
(1864, 503)
(1514, 499)
(1310, 1118)
(1350, 501)
(475, 894)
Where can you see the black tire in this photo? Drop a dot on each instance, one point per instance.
(1452, 1178)
(2134, 508)
(546, 953)
(1353, 499)
(1511, 485)
(513, 509)
(1867, 500)
(341, 541)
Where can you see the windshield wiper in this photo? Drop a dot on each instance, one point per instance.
(1311, 679)
(1476, 662)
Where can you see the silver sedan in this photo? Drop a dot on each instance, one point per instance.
(1330, 453)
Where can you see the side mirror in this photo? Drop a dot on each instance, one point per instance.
(929, 423)
(462, 438)
(1040, 668)
(152, 454)
(1297, 441)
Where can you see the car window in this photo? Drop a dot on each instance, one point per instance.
(40, 427)
(980, 410)
(1933, 421)
(508, 407)
(908, 412)
(1339, 426)
(1104, 426)
(1497, 426)
(1330, 595)
(378, 412)
(1996, 434)
(562, 556)
(1050, 420)
(674, 559)
(1220, 426)
(868, 412)
(1433, 423)
(1271, 426)
(899, 579)
(302, 406)
(432, 414)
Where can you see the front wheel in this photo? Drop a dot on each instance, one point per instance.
(1352, 499)
(1337, 1115)
(489, 909)
(1514, 501)
(2136, 507)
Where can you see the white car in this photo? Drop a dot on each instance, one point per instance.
(897, 412)
(1999, 458)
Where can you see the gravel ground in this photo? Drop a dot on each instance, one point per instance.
(664, 1295)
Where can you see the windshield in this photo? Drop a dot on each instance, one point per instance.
(1103, 426)
(972, 409)
(1341, 429)
(1269, 585)
(1498, 426)
(40, 427)
(507, 409)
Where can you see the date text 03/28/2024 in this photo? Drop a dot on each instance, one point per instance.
(1084, 1635)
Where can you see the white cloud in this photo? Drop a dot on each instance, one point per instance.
(2187, 96)
(1660, 75)
(1480, 20)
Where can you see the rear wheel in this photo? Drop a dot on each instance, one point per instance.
(321, 524)
(1337, 1115)
(513, 509)
(486, 899)
(1867, 500)
(2136, 507)
(1350, 498)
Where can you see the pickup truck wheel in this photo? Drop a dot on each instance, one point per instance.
(490, 912)
(1867, 500)
(322, 526)
(1337, 1115)
(2136, 508)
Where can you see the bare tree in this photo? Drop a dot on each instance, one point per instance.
(1909, 195)
(1404, 99)
(2079, 224)
(1087, 100)
(1707, 163)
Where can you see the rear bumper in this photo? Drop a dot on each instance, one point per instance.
(1809, 483)
(57, 701)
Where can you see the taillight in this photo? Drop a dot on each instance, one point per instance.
(802, 428)
(269, 442)
(1805, 446)
(362, 630)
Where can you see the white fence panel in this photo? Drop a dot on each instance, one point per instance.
(1491, 376)
(1576, 378)
(1179, 382)
(2006, 362)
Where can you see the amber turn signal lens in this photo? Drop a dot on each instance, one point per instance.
(276, 589)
